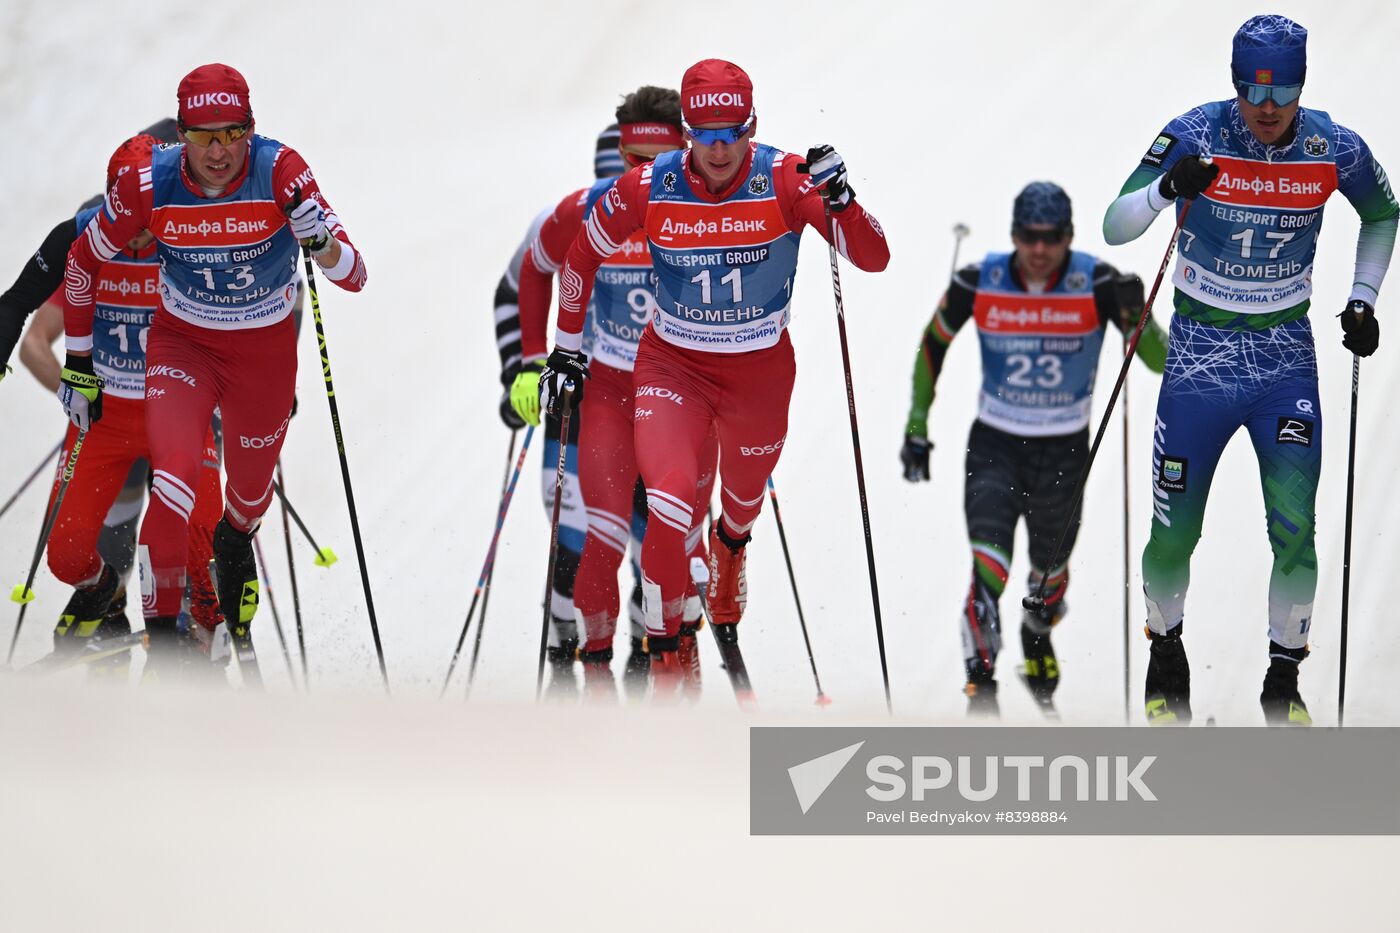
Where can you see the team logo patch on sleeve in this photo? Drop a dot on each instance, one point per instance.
(1171, 475)
(1295, 431)
(1159, 150)
(668, 181)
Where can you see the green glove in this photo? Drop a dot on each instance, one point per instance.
(525, 393)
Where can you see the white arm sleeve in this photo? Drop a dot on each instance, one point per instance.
(1129, 217)
(1374, 245)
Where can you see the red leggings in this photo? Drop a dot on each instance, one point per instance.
(250, 375)
(116, 442)
(607, 474)
(682, 397)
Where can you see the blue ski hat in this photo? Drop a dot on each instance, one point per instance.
(1041, 202)
(607, 159)
(1270, 49)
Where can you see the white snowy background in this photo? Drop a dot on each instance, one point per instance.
(438, 131)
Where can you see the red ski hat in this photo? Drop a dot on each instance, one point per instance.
(136, 151)
(213, 94)
(716, 91)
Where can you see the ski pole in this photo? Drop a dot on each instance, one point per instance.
(1127, 578)
(292, 575)
(276, 616)
(568, 403)
(960, 231)
(488, 566)
(1358, 309)
(506, 484)
(23, 593)
(855, 447)
(28, 480)
(1036, 602)
(324, 555)
(340, 449)
(822, 698)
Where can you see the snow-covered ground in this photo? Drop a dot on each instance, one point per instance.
(438, 131)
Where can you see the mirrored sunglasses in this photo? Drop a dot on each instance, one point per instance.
(1281, 94)
(724, 134)
(224, 137)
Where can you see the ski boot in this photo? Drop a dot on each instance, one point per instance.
(637, 674)
(563, 680)
(692, 621)
(981, 691)
(689, 652)
(235, 577)
(598, 683)
(1042, 670)
(166, 652)
(1282, 704)
(1168, 689)
(728, 590)
(86, 610)
(117, 668)
(206, 652)
(205, 635)
(668, 673)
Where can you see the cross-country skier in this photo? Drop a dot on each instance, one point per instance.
(1259, 168)
(1040, 313)
(40, 275)
(723, 220)
(650, 124)
(227, 208)
(84, 549)
(573, 517)
(125, 300)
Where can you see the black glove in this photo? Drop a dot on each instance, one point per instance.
(914, 456)
(1361, 330)
(564, 367)
(80, 392)
(509, 417)
(1187, 178)
(1131, 297)
(829, 176)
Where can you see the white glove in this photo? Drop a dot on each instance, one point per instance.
(308, 223)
